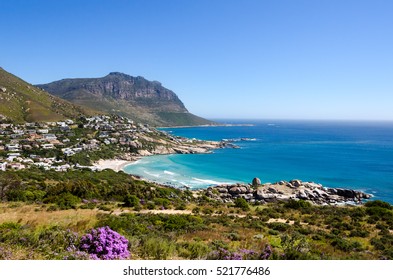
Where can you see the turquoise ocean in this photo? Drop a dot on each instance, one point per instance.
(355, 155)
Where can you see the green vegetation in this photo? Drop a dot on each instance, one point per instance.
(20, 102)
(205, 229)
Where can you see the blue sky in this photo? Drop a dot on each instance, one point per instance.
(225, 59)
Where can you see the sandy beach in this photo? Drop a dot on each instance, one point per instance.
(114, 164)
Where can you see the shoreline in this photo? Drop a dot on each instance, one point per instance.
(262, 193)
(114, 164)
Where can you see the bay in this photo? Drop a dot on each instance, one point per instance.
(355, 155)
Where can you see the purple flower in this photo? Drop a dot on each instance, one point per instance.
(242, 254)
(105, 244)
(266, 253)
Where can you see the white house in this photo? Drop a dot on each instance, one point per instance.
(12, 156)
(12, 147)
(43, 131)
(49, 137)
(47, 146)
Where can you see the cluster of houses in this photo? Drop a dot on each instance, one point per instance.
(29, 144)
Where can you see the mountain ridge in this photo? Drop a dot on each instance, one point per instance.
(134, 97)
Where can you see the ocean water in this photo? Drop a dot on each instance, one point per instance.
(355, 155)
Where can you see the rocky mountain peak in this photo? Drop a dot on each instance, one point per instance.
(134, 97)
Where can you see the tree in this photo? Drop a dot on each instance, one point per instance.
(8, 181)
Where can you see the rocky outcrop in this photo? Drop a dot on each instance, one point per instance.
(285, 191)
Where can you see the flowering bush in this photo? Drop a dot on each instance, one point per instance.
(105, 244)
(242, 254)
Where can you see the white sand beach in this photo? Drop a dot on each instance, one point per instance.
(114, 164)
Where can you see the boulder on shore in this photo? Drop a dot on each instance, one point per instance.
(284, 191)
(256, 182)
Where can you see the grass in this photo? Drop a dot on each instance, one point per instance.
(38, 215)
(98, 199)
(178, 242)
(24, 102)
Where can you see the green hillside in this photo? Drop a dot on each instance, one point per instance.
(21, 102)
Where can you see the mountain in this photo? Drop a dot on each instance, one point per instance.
(23, 102)
(134, 97)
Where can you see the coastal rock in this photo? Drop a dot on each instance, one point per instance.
(285, 191)
(261, 195)
(234, 190)
(289, 185)
(312, 185)
(238, 190)
(272, 190)
(302, 195)
(256, 182)
(296, 183)
(222, 190)
(135, 144)
(3, 89)
(346, 193)
(144, 153)
(320, 193)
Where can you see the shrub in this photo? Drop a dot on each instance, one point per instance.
(65, 201)
(131, 200)
(207, 211)
(198, 250)
(196, 210)
(242, 254)
(150, 205)
(242, 204)
(181, 206)
(104, 243)
(359, 233)
(234, 236)
(345, 245)
(297, 204)
(278, 226)
(162, 202)
(157, 248)
(379, 213)
(378, 203)
(296, 246)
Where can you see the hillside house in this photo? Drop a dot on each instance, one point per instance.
(49, 137)
(30, 124)
(16, 166)
(47, 146)
(12, 147)
(43, 131)
(68, 151)
(12, 156)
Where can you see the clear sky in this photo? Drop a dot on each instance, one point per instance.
(265, 59)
